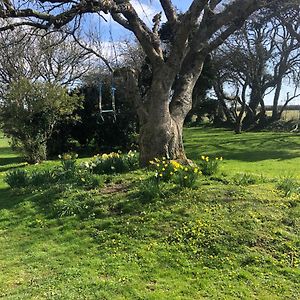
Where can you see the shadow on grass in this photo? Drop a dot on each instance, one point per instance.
(8, 160)
(246, 156)
(14, 199)
(246, 148)
(9, 199)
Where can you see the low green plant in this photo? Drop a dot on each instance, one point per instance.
(149, 189)
(245, 179)
(68, 171)
(288, 185)
(42, 177)
(171, 170)
(17, 178)
(68, 161)
(165, 170)
(79, 203)
(87, 179)
(209, 166)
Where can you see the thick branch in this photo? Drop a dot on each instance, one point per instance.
(189, 21)
(169, 10)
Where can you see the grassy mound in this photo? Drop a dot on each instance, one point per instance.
(235, 235)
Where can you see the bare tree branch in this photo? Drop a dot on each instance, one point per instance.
(169, 10)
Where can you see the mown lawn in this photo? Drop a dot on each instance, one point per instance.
(220, 240)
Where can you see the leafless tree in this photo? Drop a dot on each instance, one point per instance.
(255, 62)
(30, 53)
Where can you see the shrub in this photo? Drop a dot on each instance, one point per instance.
(17, 178)
(30, 110)
(209, 166)
(288, 185)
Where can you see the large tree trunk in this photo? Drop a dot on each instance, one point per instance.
(161, 129)
(161, 139)
(160, 132)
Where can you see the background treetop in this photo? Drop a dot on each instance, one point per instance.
(214, 14)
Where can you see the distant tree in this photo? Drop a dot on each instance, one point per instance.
(201, 104)
(32, 54)
(29, 113)
(255, 61)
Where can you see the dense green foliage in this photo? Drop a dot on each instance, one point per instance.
(29, 113)
(127, 239)
(92, 131)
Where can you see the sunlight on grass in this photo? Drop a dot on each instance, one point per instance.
(229, 237)
(267, 153)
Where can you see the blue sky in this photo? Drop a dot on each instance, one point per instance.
(146, 10)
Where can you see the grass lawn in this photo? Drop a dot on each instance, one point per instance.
(268, 153)
(219, 240)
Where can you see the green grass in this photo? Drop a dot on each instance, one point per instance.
(8, 158)
(268, 153)
(217, 241)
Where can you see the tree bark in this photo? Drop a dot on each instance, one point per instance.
(255, 100)
(160, 131)
(162, 139)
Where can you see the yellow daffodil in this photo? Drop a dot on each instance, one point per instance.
(105, 156)
(175, 164)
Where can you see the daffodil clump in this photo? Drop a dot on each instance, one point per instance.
(114, 162)
(164, 169)
(209, 166)
(68, 161)
(187, 176)
(171, 170)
